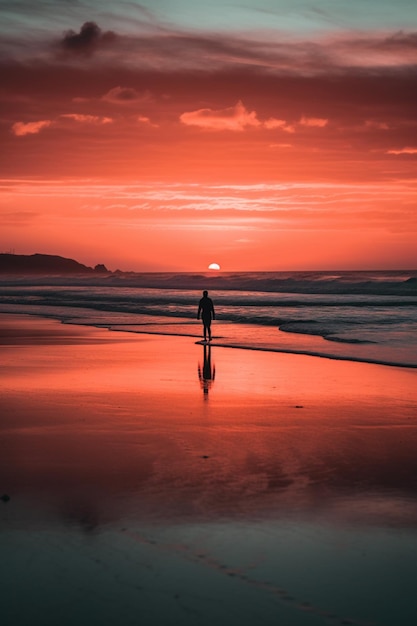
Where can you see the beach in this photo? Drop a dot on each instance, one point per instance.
(149, 479)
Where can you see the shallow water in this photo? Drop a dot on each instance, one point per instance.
(362, 316)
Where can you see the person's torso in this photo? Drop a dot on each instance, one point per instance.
(206, 305)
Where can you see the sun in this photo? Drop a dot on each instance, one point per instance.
(214, 266)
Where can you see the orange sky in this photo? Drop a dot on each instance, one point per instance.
(154, 145)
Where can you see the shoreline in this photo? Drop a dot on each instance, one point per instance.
(236, 345)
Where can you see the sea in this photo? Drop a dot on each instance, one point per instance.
(368, 316)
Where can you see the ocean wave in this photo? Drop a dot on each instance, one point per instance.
(345, 282)
(330, 333)
(166, 300)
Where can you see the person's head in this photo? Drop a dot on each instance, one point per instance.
(205, 294)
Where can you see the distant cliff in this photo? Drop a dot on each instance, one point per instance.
(45, 264)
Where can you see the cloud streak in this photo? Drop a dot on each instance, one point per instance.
(20, 129)
(313, 122)
(206, 51)
(239, 118)
(86, 119)
(235, 118)
(402, 151)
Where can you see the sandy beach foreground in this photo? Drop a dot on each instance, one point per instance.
(154, 481)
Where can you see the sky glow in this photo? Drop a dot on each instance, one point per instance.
(158, 135)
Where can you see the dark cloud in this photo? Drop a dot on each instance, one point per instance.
(88, 40)
(126, 95)
(401, 40)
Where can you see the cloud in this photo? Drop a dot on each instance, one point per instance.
(281, 145)
(235, 118)
(316, 122)
(89, 39)
(273, 123)
(401, 40)
(403, 151)
(173, 49)
(143, 119)
(372, 124)
(238, 118)
(20, 129)
(87, 119)
(126, 95)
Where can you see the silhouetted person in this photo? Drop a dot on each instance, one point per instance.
(206, 373)
(206, 311)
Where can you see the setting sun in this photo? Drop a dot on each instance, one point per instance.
(214, 266)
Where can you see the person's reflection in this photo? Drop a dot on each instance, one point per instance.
(207, 372)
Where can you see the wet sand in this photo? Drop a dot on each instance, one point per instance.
(152, 480)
